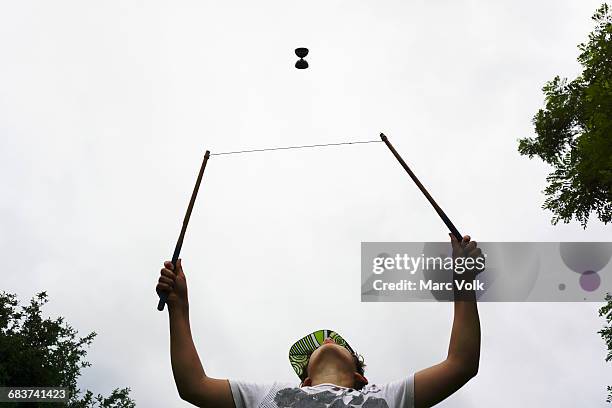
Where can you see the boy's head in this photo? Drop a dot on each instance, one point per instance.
(325, 357)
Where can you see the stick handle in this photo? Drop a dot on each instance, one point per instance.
(177, 249)
(414, 178)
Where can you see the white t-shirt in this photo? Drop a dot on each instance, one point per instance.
(397, 394)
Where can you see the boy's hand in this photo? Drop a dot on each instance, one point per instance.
(173, 284)
(466, 249)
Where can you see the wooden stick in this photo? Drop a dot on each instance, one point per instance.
(177, 249)
(414, 178)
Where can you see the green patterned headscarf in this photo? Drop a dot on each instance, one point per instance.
(301, 350)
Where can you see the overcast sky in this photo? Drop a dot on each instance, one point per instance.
(106, 109)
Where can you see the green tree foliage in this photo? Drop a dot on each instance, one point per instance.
(574, 132)
(46, 353)
(606, 333)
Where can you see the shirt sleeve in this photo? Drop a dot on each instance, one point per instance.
(399, 393)
(251, 395)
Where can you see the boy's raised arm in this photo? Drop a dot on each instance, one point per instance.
(192, 383)
(436, 383)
